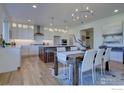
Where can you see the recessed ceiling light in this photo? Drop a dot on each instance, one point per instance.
(91, 11)
(72, 15)
(29, 20)
(76, 10)
(34, 6)
(116, 10)
(87, 8)
(85, 16)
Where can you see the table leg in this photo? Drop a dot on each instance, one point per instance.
(75, 73)
(55, 66)
(107, 66)
(123, 55)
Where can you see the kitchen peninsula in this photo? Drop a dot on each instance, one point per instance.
(10, 58)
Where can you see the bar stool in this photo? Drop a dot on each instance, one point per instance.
(48, 52)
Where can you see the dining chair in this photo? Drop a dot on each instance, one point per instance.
(87, 63)
(98, 60)
(106, 57)
(60, 60)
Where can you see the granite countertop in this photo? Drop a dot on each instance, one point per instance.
(57, 46)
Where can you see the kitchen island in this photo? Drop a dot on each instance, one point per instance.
(10, 58)
(47, 53)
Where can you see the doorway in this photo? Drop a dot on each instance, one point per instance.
(87, 36)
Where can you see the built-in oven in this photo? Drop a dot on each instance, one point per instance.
(64, 41)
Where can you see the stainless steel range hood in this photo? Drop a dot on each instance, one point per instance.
(38, 31)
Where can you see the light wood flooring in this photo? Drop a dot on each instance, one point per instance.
(35, 72)
(32, 72)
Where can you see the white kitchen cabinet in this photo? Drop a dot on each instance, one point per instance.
(28, 50)
(10, 59)
(19, 33)
(116, 56)
(33, 50)
(25, 50)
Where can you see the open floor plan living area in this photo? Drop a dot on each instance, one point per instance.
(62, 44)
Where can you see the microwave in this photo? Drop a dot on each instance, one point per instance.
(64, 41)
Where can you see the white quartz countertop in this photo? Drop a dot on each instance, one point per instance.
(10, 47)
(58, 46)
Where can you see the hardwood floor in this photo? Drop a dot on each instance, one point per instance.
(35, 72)
(32, 72)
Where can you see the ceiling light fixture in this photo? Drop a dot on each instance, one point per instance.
(34, 6)
(82, 14)
(85, 16)
(29, 20)
(116, 10)
(87, 8)
(76, 10)
(72, 15)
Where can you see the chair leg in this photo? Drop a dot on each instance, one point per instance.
(93, 76)
(64, 73)
(81, 78)
(70, 72)
(94, 71)
(101, 69)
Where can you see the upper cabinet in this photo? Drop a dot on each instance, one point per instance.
(22, 31)
(113, 33)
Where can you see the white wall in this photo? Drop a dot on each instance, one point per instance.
(97, 25)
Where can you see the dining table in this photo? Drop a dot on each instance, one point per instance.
(72, 58)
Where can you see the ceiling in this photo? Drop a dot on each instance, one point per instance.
(41, 15)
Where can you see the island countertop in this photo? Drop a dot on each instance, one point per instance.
(55, 46)
(50, 57)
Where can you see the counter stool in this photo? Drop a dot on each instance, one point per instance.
(48, 52)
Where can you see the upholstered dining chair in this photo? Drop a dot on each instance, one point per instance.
(106, 57)
(98, 60)
(60, 60)
(87, 63)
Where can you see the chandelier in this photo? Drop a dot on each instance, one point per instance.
(82, 14)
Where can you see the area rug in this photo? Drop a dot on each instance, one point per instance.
(113, 77)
